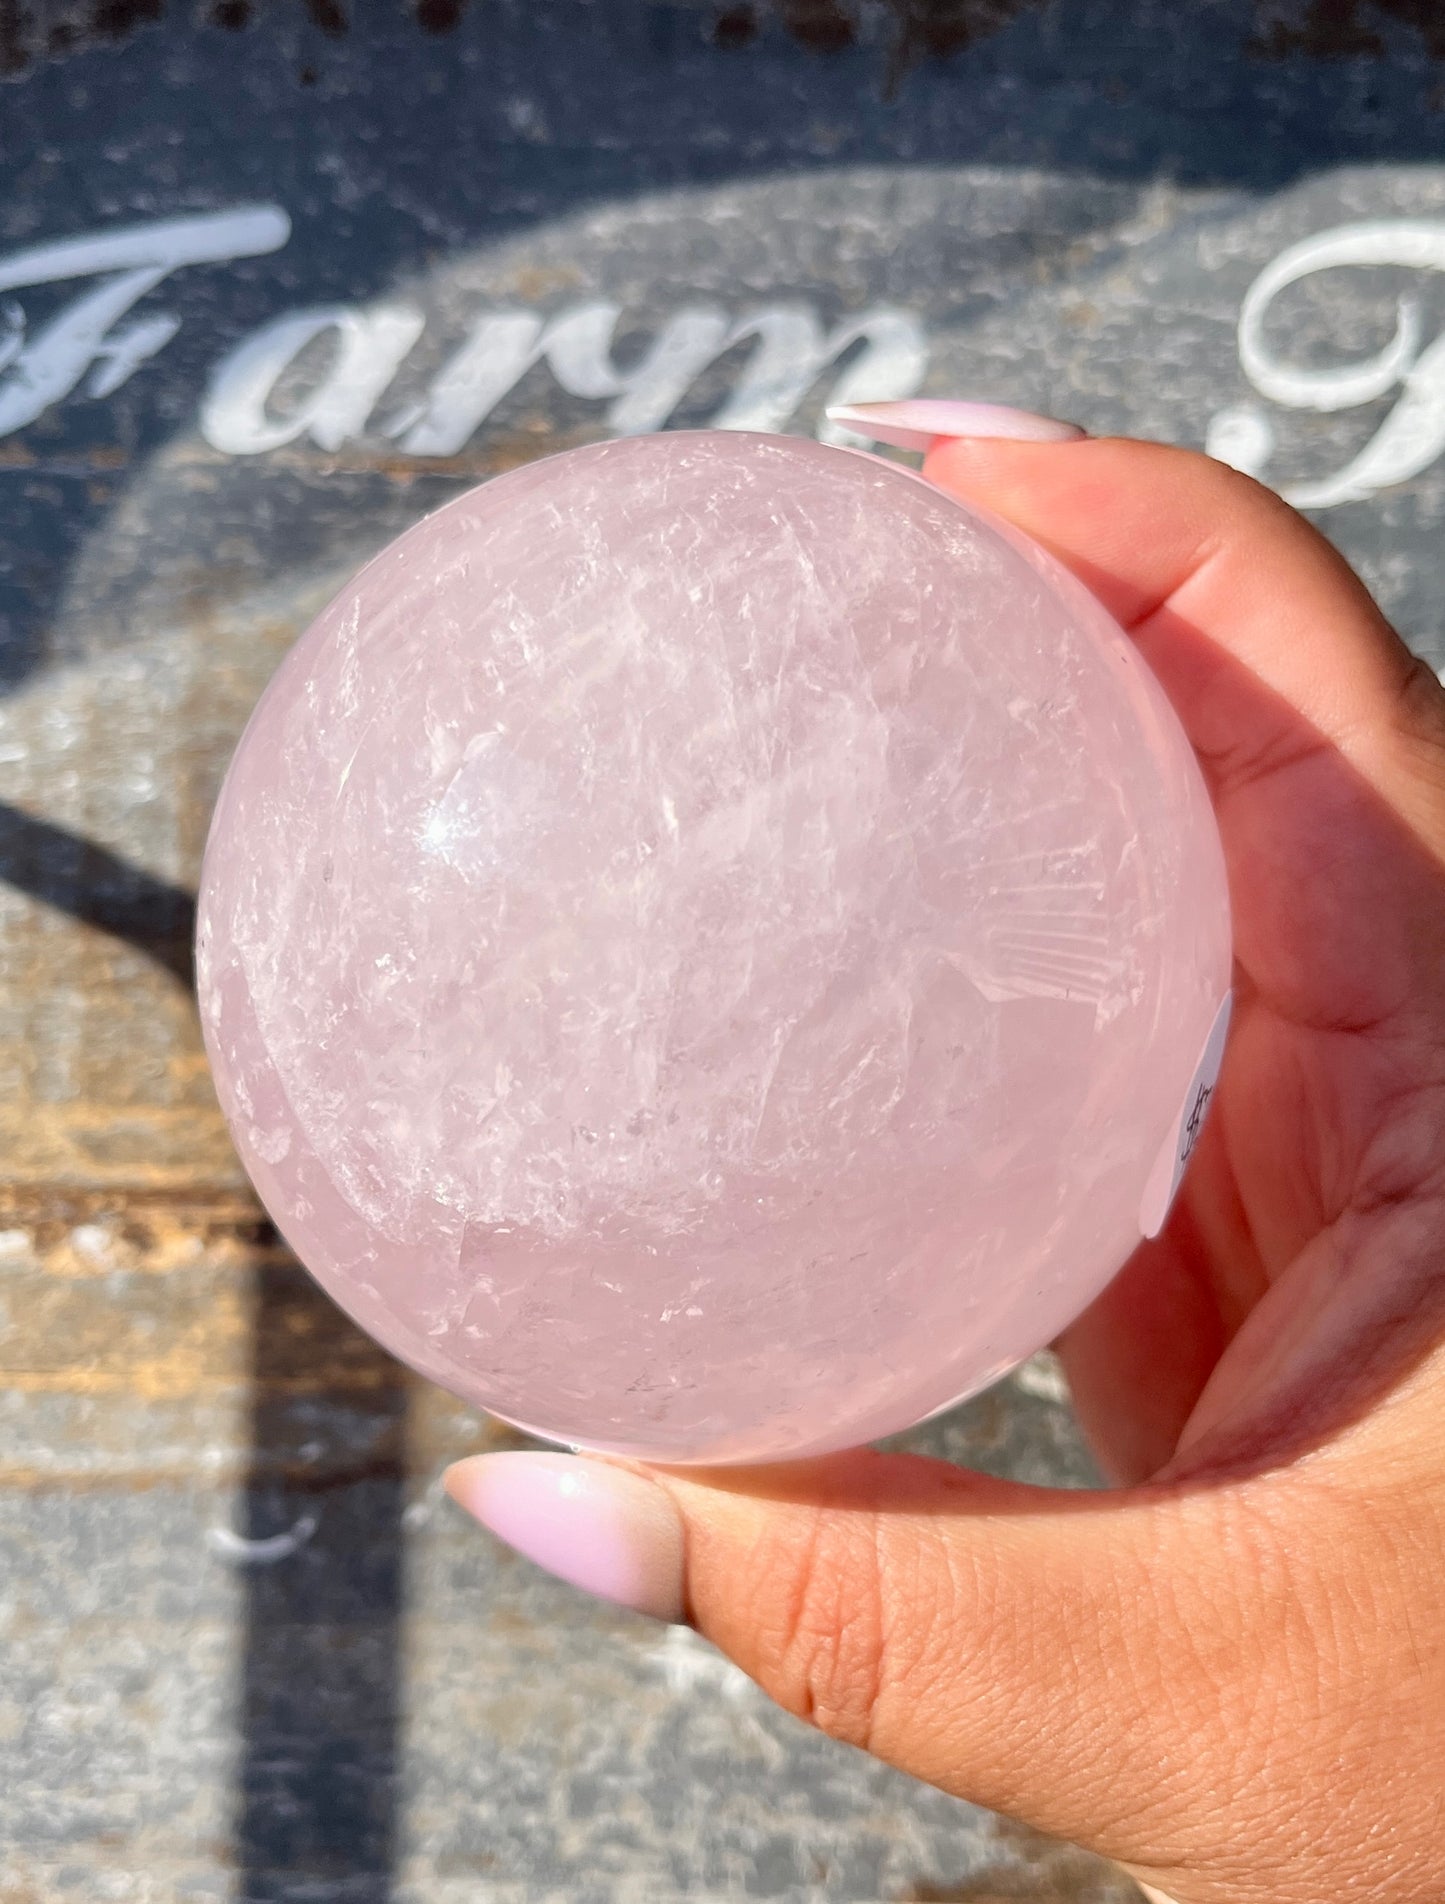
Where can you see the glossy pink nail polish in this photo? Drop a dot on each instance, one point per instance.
(916, 422)
(612, 1533)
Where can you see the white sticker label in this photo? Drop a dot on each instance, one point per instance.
(1168, 1172)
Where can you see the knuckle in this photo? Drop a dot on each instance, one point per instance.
(823, 1652)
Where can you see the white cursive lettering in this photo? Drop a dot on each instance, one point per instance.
(1412, 436)
(324, 373)
(131, 261)
(791, 350)
(369, 349)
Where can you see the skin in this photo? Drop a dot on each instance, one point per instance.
(1227, 1671)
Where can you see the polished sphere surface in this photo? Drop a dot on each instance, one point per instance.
(706, 947)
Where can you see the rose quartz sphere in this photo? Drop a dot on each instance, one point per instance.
(705, 944)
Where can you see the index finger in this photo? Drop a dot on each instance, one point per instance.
(1209, 571)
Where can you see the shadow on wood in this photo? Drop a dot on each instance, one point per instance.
(317, 1788)
(98, 887)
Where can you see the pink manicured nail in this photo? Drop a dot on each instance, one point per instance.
(601, 1528)
(917, 422)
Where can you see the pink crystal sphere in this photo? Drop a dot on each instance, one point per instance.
(705, 943)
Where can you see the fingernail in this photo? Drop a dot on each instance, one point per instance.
(601, 1528)
(917, 422)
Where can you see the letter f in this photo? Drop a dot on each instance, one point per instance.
(133, 261)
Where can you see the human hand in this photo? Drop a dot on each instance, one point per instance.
(1228, 1671)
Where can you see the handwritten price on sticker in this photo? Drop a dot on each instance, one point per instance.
(1194, 1123)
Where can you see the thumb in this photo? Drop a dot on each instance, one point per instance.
(1048, 1654)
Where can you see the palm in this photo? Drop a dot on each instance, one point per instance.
(1323, 1130)
(1324, 745)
